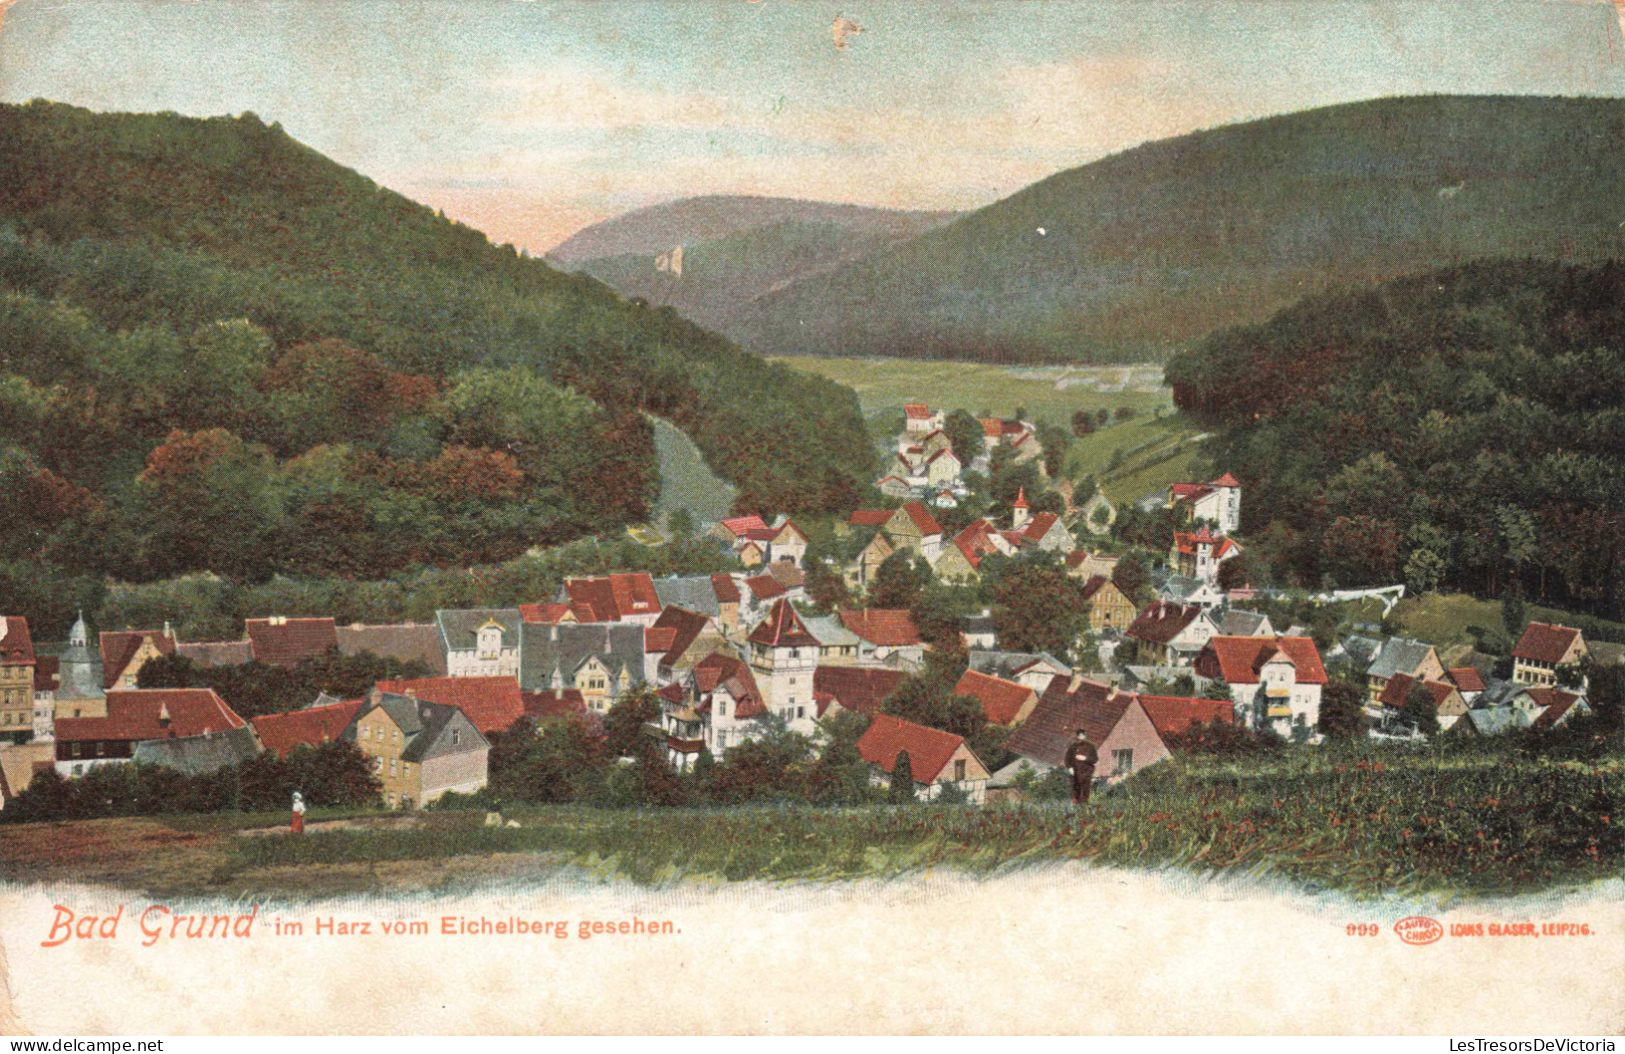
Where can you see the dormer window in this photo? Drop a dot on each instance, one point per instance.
(490, 641)
(456, 736)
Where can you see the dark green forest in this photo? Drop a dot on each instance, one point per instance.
(221, 351)
(1459, 429)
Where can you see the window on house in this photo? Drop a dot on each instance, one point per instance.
(393, 765)
(1123, 761)
(101, 749)
(456, 736)
(801, 711)
(959, 771)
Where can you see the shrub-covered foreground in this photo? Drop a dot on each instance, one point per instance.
(1473, 824)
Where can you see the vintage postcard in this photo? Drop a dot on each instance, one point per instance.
(768, 517)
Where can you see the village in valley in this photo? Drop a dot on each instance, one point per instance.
(949, 639)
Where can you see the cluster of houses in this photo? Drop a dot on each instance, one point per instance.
(732, 656)
(925, 467)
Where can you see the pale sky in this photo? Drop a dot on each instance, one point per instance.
(530, 119)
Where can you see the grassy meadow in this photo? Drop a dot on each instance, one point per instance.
(1049, 393)
(686, 481)
(1368, 822)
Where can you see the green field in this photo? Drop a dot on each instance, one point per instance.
(1457, 618)
(1047, 393)
(1132, 458)
(686, 481)
(1456, 819)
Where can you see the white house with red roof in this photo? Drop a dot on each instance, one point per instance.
(753, 540)
(1275, 682)
(1543, 649)
(885, 636)
(1168, 634)
(1197, 554)
(783, 653)
(1217, 502)
(935, 758)
(1043, 531)
(137, 715)
(920, 420)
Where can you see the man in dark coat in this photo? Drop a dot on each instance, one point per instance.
(1081, 757)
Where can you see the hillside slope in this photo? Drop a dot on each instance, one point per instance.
(656, 228)
(1459, 428)
(1140, 253)
(207, 316)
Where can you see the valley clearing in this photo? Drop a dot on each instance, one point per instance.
(1062, 947)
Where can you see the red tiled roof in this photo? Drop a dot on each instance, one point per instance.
(1186, 491)
(857, 688)
(613, 597)
(869, 517)
(1175, 714)
(542, 705)
(922, 518)
(1095, 584)
(718, 670)
(17, 644)
(210, 653)
(1466, 678)
(788, 575)
(46, 671)
(1021, 498)
(1237, 660)
(1226, 480)
(1039, 526)
(884, 627)
(991, 426)
(280, 733)
(547, 614)
(737, 525)
(1544, 642)
(978, 537)
(1162, 621)
(1556, 702)
(118, 647)
(1053, 725)
(944, 452)
(676, 630)
(765, 587)
(916, 410)
(726, 589)
(287, 641)
(135, 714)
(1400, 684)
(783, 628)
(929, 749)
(493, 704)
(1001, 700)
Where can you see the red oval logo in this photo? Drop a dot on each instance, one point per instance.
(1419, 929)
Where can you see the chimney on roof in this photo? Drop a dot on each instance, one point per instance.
(163, 715)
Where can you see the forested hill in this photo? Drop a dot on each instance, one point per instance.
(219, 349)
(1460, 428)
(1139, 254)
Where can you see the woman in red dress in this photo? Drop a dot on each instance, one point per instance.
(298, 824)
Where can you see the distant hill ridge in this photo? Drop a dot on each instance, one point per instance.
(656, 228)
(1146, 251)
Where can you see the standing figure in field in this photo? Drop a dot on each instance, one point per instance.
(1081, 757)
(297, 825)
